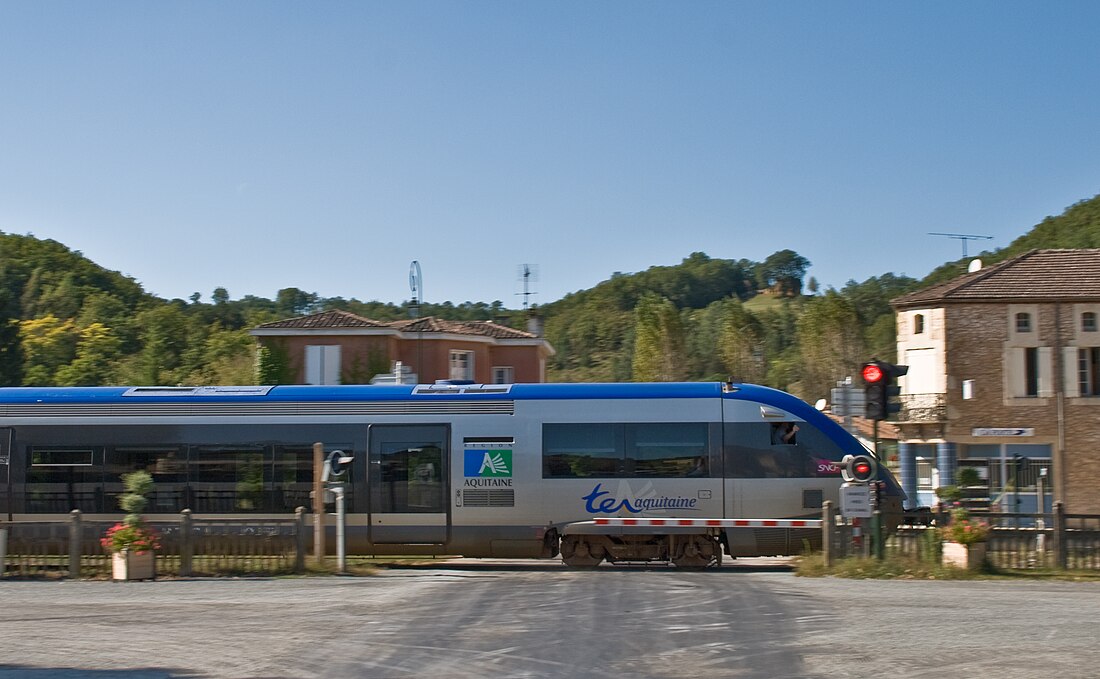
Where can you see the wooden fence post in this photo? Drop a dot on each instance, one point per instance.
(318, 504)
(827, 528)
(76, 547)
(300, 540)
(187, 544)
(1061, 551)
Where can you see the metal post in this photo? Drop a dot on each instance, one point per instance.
(318, 504)
(299, 539)
(187, 545)
(3, 551)
(1060, 547)
(341, 554)
(75, 546)
(1016, 489)
(877, 535)
(828, 519)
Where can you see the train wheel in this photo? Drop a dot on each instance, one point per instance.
(578, 553)
(698, 552)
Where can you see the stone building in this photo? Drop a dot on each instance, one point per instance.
(1004, 377)
(339, 347)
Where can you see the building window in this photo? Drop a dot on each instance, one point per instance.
(462, 365)
(1023, 322)
(918, 324)
(504, 374)
(323, 364)
(1088, 370)
(924, 474)
(1088, 321)
(1031, 370)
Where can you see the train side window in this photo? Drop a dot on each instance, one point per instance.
(292, 480)
(228, 478)
(581, 450)
(60, 480)
(168, 467)
(750, 452)
(668, 450)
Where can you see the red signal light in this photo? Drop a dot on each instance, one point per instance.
(872, 373)
(858, 468)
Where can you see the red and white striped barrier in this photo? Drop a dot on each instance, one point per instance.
(710, 523)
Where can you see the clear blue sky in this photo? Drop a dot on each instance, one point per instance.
(262, 145)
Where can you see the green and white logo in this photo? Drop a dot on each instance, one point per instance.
(488, 463)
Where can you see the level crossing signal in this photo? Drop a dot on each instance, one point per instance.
(858, 468)
(337, 463)
(880, 380)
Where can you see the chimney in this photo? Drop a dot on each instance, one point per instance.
(534, 322)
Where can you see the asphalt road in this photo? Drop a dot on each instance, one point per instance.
(546, 621)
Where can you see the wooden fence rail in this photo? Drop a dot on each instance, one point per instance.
(189, 546)
(1016, 541)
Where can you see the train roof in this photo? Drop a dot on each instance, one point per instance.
(400, 392)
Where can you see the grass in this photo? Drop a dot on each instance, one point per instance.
(902, 567)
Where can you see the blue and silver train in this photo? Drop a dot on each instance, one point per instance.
(516, 470)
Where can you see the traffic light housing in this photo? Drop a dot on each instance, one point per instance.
(858, 468)
(880, 380)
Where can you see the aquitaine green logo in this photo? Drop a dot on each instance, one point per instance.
(488, 463)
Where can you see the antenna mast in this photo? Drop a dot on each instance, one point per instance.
(961, 236)
(529, 273)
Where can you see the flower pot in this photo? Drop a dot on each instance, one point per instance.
(971, 557)
(127, 565)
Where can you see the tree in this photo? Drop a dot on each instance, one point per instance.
(659, 341)
(49, 343)
(11, 349)
(741, 345)
(96, 353)
(831, 342)
(294, 302)
(783, 272)
(164, 339)
(273, 364)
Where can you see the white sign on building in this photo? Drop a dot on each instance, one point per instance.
(1003, 431)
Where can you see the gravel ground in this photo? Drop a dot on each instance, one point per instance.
(549, 622)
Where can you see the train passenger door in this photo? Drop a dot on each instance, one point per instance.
(409, 484)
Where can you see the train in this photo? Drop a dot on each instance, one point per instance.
(478, 470)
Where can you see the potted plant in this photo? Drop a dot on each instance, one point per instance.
(133, 543)
(965, 541)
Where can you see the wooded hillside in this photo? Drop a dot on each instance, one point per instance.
(66, 321)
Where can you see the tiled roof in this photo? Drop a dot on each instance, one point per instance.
(1035, 275)
(345, 319)
(326, 319)
(483, 328)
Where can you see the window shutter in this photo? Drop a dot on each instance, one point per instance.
(1046, 372)
(1015, 372)
(1069, 372)
(332, 364)
(314, 364)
